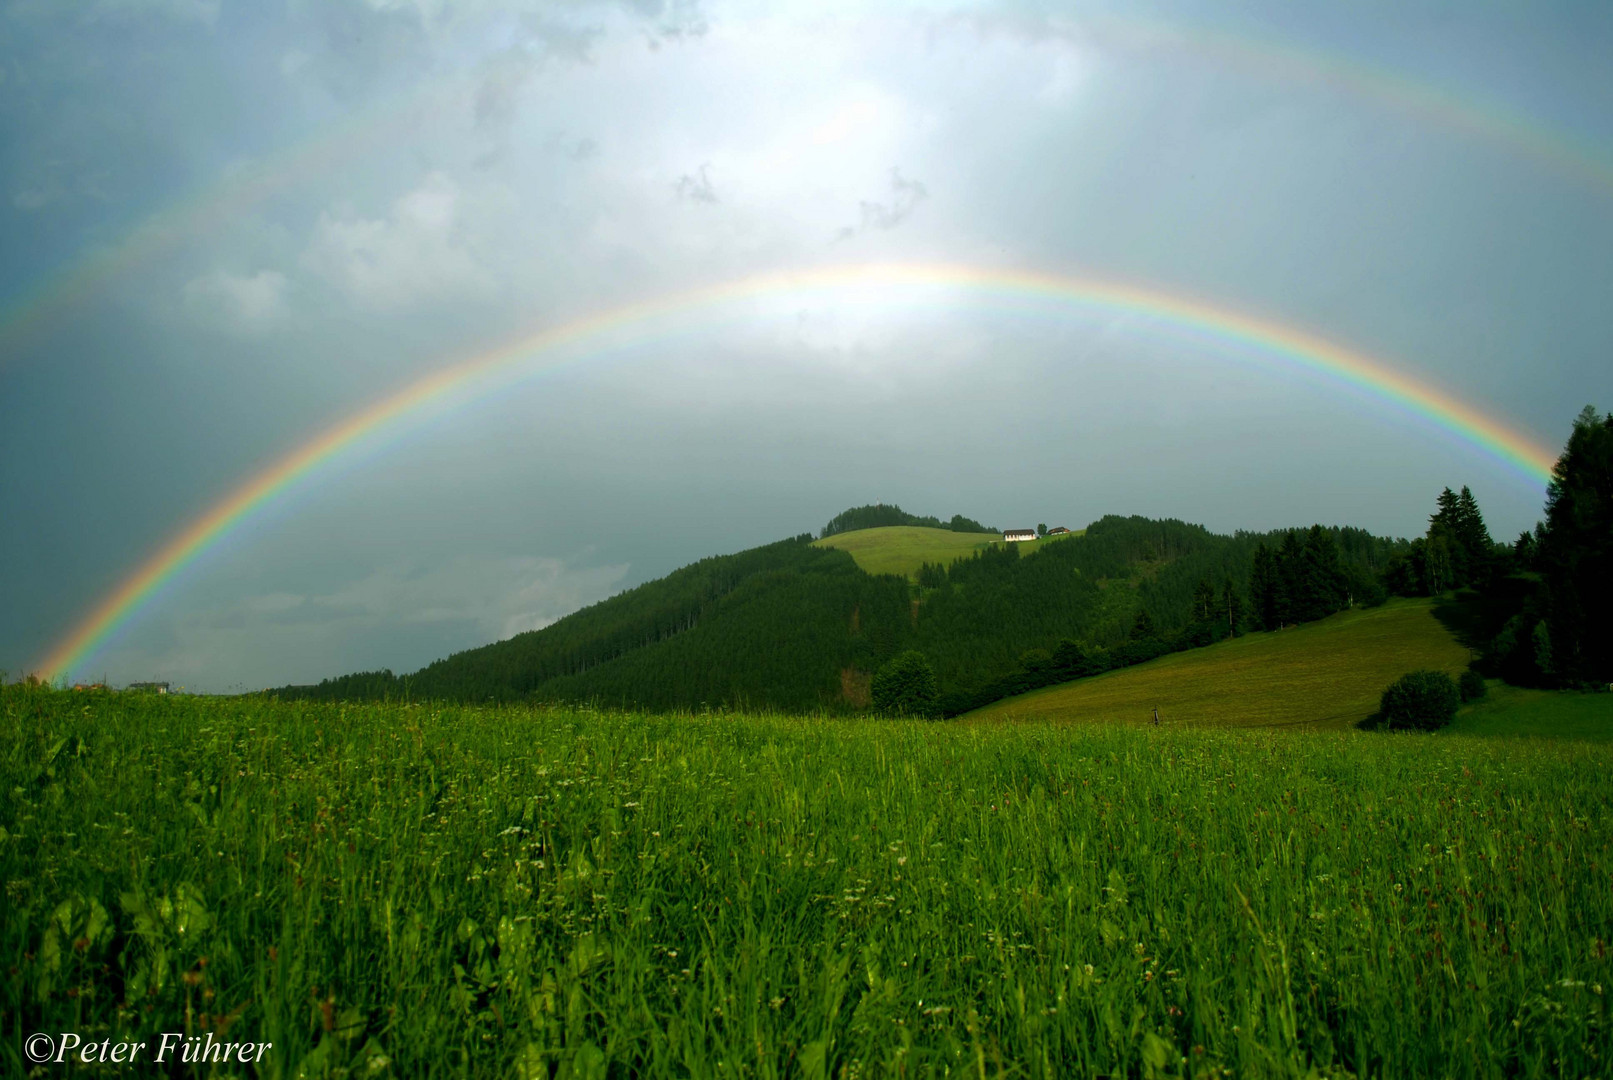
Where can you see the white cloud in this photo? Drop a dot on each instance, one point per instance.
(241, 304)
(418, 253)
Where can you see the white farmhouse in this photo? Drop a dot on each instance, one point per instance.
(1014, 536)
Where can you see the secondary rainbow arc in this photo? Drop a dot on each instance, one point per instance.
(476, 375)
(1571, 154)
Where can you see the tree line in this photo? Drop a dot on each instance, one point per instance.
(1537, 609)
(878, 515)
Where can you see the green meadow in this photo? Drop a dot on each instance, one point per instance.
(1517, 712)
(1326, 674)
(902, 549)
(396, 890)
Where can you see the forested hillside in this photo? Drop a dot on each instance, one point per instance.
(795, 626)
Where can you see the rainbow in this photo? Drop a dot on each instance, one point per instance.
(1570, 155)
(475, 377)
(209, 206)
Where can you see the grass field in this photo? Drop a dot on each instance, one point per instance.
(391, 891)
(1329, 673)
(902, 549)
(1513, 712)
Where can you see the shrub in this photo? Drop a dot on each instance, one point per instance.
(1422, 700)
(1471, 685)
(906, 685)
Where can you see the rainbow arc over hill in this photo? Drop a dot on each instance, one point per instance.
(475, 377)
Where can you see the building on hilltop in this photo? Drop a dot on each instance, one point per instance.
(1015, 536)
(1057, 530)
(149, 687)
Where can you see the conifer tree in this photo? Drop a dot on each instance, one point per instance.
(1470, 528)
(1575, 554)
(1447, 566)
(1474, 538)
(1322, 584)
(1263, 588)
(1290, 569)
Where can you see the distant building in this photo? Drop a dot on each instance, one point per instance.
(89, 686)
(1015, 536)
(1057, 530)
(149, 687)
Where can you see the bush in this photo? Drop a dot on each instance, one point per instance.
(1471, 685)
(1421, 701)
(906, 685)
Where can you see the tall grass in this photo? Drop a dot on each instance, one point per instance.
(423, 891)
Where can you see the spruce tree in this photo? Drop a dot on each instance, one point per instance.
(1263, 588)
(1449, 563)
(1290, 574)
(1575, 554)
(1322, 584)
(1474, 539)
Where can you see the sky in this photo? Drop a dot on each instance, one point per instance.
(227, 227)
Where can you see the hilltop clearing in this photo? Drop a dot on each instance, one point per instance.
(902, 549)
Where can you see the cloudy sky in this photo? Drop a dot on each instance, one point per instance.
(225, 227)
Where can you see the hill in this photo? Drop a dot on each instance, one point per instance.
(902, 549)
(800, 625)
(1325, 674)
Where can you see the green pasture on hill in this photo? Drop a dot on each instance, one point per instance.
(1329, 673)
(902, 549)
(422, 891)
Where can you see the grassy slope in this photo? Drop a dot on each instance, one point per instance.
(1327, 674)
(902, 549)
(1514, 711)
